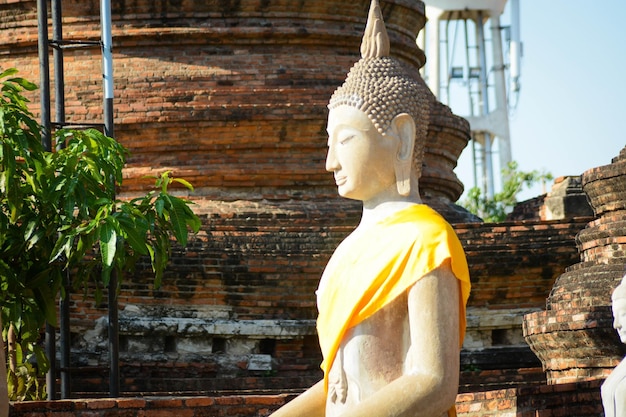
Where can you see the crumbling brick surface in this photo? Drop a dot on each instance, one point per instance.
(576, 399)
(574, 336)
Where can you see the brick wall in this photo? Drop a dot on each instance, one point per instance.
(232, 96)
(244, 287)
(574, 337)
(514, 264)
(259, 265)
(249, 406)
(567, 400)
(229, 95)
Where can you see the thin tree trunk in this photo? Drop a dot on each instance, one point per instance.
(11, 348)
(4, 394)
(12, 353)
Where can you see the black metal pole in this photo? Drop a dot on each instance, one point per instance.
(44, 74)
(114, 349)
(114, 344)
(114, 340)
(50, 342)
(59, 77)
(44, 90)
(64, 331)
(107, 75)
(59, 107)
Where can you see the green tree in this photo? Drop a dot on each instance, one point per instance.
(58, 214)
(496, 209)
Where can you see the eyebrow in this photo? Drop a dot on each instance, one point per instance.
(344, 125)
(341, 125)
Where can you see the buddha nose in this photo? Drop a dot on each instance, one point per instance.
(332, 164)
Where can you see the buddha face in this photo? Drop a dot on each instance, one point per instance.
(361, 159)
(619, 317)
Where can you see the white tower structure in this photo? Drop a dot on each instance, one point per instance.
(470, 77)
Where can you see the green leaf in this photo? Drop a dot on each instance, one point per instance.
(164, 181)
(161, 257)
(45, 300)
(159, 205)
(135, 233)
(178, 218)
(108, 244)
(29, 231)
(41, 279)
(8, 72)
(19, 353)
(62, 246)
(151, 253)
(27, 85)
(42, 360)
(183, 182)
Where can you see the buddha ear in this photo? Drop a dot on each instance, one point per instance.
(403, 127)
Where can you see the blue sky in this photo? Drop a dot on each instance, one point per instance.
(571, 110)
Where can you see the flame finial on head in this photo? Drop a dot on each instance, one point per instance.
(375, 42)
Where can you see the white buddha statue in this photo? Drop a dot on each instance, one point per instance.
(392, 298)
(614, 388)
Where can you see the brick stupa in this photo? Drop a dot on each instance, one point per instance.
(574, 336)
(231, 96)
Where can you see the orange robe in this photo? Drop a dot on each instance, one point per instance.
(382, 262)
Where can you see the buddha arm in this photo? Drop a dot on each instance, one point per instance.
(311, 403)
(430, 383)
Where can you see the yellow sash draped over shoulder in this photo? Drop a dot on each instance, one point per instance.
(370, 270)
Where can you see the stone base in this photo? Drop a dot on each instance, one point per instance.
(574, 345)
(581, 400)
(498, 379)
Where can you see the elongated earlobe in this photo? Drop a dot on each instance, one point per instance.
(404, 128)
(403, 178)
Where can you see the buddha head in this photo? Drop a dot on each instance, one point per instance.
(377, 122)
(618, 304)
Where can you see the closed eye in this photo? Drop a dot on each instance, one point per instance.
(346, 139)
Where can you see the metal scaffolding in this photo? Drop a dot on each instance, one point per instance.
(460, 62)
(58, 46)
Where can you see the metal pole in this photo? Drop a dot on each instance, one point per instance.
(59, 78)
(485, 104)
(44, 75)
(474, 160)
(468, 65)
(114, 365)
(107, 75)
(470, 99)
(107, 65)
(504, 139)
(59, 107)
(434, 49)
(44, 90)
(449, 58)
(516, 46)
